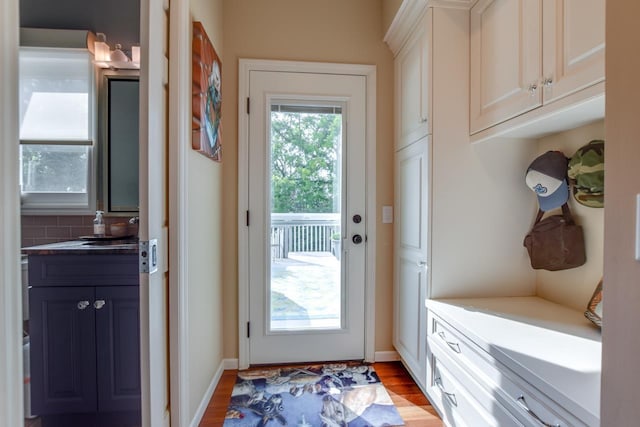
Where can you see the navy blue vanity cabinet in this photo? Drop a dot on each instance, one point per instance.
(85, 342)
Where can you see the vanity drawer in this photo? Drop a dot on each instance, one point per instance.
(84, 270)
(522, 399)
(458, 404)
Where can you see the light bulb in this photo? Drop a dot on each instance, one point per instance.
(118, 55)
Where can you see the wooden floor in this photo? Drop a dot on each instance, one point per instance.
(411, 403)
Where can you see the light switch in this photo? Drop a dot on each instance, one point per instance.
(387, 214)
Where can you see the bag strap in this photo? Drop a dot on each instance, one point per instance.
(566, 213)
(539, 216)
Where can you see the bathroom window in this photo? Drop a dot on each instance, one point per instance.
(57, 110)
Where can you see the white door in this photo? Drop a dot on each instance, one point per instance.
(307, 219)
(506, 60)
(153, 286)
(412, 256)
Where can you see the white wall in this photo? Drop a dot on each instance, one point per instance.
(621, 340)
(574, 287)
(204, 306)
(480, 206)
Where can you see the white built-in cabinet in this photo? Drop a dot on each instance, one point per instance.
(503, 357)
(531, 53)
(411, 274)
(413, 127)
(412, 85)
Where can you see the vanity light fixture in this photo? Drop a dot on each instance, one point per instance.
(115, 59)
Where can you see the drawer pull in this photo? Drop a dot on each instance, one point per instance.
(523, 404)
(452, 345)
(451, 397)
(83, 304)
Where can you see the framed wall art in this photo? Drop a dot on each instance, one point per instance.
(206, 96)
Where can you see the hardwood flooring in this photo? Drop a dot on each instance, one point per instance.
(412, 405)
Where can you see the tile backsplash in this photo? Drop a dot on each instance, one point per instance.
(43, 229)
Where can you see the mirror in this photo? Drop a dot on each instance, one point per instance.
(119, 134)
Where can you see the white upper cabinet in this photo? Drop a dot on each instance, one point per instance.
(528, 53)
(412, 85)
(505, 60)
(573, 46)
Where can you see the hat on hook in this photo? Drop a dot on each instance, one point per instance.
(547, 177)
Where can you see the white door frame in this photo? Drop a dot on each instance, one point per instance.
(369, 71)
(11, 401)
(179, 147)
(153, 314)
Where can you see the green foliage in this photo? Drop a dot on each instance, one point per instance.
(305, 161)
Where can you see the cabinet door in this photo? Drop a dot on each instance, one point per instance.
(573, 46)
(412, 81)
(505, 60)
(118, 348)
(63, 352)
(411, 260)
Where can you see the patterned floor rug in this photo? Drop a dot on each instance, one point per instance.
(332, 395)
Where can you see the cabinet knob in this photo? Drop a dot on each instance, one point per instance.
(532, 89)
(547, 82)
(83, 304)
(98, 304)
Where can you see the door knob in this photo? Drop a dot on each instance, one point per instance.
(357, 239)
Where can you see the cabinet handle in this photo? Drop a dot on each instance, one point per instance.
(532, 89)
(523, 404)
(83, 304)
(451, 397)
(547, 82)
(422, 264)
(98, 304)
(423, 119)
(452, 345)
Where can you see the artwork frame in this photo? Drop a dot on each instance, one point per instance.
(206, 122)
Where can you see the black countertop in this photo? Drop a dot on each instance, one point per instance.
(83, 247)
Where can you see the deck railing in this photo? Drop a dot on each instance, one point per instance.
(302, 233)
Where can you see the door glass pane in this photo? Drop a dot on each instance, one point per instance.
(306, 290)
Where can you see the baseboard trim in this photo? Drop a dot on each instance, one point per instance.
(207, 396)
(386, 356)
(230, 364)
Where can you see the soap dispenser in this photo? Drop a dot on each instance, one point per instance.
(98, 225)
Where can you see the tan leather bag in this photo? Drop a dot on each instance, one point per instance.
(556, 242)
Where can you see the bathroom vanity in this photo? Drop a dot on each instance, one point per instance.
(84, 327)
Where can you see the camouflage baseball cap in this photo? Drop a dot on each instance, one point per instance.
(586, 172)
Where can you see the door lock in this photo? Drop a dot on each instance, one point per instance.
(357, 219)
